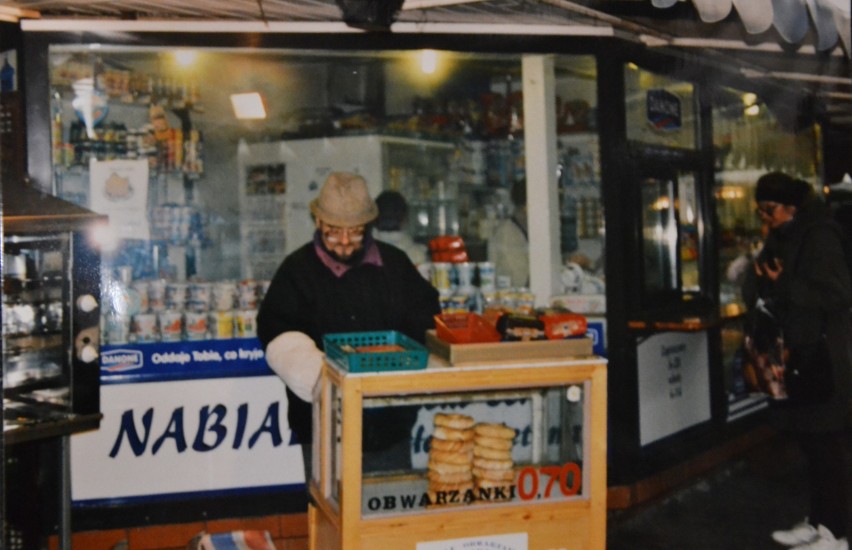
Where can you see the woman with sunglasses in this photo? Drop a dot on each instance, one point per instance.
(804, 281)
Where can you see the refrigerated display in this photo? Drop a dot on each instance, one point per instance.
(51, 311)
(50, 368)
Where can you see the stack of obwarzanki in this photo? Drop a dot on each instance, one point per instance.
(465, 455)
(451, 455)
(493, 468)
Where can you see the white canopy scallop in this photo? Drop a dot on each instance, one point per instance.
(791, 18)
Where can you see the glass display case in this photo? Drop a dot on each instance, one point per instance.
(51, 297)
(51, 347)
(670, 234)
(452, 452)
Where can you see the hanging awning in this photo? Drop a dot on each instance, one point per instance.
(830, 19)
(802, 44)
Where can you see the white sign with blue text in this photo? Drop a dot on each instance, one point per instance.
(186, 436)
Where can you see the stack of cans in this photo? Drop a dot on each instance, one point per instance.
(462, 285)
(165, 311)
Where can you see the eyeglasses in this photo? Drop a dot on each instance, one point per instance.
(767, 209)
(334, 234)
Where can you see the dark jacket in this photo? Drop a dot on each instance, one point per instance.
(305, 296)
(811, 297)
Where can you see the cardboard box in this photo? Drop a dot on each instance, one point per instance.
(507, 352)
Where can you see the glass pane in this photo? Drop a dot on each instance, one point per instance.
(520, 446)
(748, 142)
(34, 280)
(581, 227)
(659, 234)
(336, 459)
(670, 233)
(660, 110)
(203, 196)
(689, 237)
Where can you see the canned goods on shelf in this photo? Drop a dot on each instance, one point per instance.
(442, 276)
(246, 323)
(171, 325)
(196, 323)
(144, 327)
(221, 324)
(223, 294)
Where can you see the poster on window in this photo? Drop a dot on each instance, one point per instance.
(119, 189)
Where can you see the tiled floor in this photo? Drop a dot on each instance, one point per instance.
(735, 507)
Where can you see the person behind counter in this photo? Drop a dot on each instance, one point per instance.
(342, 281)
(803, 280)
(390, 225)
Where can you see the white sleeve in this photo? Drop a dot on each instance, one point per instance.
(296, 359)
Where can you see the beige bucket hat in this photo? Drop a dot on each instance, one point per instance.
(344, 201)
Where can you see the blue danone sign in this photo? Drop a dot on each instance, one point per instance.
(662, 108)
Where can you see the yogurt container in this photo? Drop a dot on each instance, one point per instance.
(171, 325)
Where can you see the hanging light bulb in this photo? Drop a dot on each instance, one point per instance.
(752, 107)
(428, 61)
(185, 58)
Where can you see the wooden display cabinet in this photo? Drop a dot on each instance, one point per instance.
(363, 498)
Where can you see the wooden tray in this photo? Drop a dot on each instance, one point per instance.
(463, 354)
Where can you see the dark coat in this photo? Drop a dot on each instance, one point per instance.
(305, 296)
(813, 296)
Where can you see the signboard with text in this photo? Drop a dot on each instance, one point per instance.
(674, 383)
(185, 417)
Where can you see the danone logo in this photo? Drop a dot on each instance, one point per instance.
(120, 360)
(663, 110)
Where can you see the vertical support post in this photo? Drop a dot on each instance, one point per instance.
(539, 84)
(65, 493)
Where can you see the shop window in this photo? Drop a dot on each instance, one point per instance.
(581, 215)
(748, 142)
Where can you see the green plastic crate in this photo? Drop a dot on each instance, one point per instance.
(414, 357)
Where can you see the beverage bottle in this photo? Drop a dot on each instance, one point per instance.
(7, 76)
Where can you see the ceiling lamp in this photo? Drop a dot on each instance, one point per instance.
(791, 18)
(369, 15)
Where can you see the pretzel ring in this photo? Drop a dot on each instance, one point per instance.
(450, 457)
(450, 446)
(448, 467)
(452, 434)
(455, 421)
(492, 454)
(500, 431)
(493, 464)
(493, 475)
(493, 443)
(454, 477)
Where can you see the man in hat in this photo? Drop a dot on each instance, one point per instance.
(341, 281)
(803, 280)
